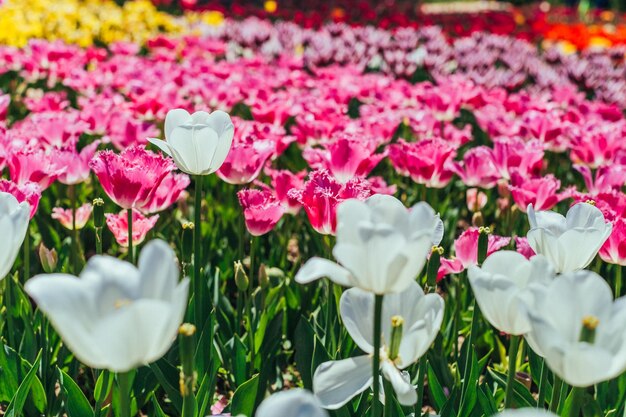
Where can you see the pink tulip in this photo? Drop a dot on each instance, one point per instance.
(34, 165)
(245, 160)
(478, 168)
(614, 249)
(118, 225)
(427, 161)
(49, 101)
(522, 246)
(516, 155)
(76, 163)
(57, 129)
(345, 156)
(597, 147)
(540, 192)
(132, 177)
(167, 193)
(475, 199)
(64, 216)
(261, 209)
(466, 251)
(321, 195)
(607, 178)
(283, 181)
(5, 100)
(29, 192)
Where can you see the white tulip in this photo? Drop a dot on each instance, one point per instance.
(420, 317)
(570, 242)
(293, 403)
(526, 412)
(14, 218)
(502, 284)
(381, 245)
(199, 143)
(578, 328)
(116, 316)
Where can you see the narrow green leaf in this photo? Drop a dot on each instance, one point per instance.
(436, 391)
(76, 404)
(244, 398)
(17, 402)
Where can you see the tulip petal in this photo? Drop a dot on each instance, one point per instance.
(294, 402)
(357, 310)
(316, 268)
(173, 119)
(337, 382)
(405, 391)
(158, 270)
(161, 144)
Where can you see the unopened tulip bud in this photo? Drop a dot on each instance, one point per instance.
(48, 258)
(433, 267)
(503, 189)
(98, 212)
(483, 243)
(293, 250)
(241, 278)
(396, 336)
(187, 241)
(264, 280)
(477, 219)
(187, 381)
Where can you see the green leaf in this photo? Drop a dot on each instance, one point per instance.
(245, 396)
(436, 391)
(486, 400)
(76, 404)
(239, 361)
(521, 395)
(158, 411)
(165, 374)
(304, 346)
(17, 402)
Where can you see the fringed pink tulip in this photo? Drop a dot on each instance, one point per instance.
(76, 163)
(261, 209)
(167, 193)
(321, 195)
(540, 192)
(426, 162)
(283, 182)
(478, 168)
(345, 156)
(522, 246)
(132, 177)
(614, 249)
(466, 251)
(606, 179)
(28, 192)
(64, 216)
(118, 225)
(516, 155)
(34, 165)
(475, 199)
(5, 100)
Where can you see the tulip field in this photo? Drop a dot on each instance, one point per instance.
(247, 209)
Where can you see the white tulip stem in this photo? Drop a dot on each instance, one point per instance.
(123, 390)
(510, 380)
(577, 401)
(71, 191)
(103, 393)
(197, 253)
(378, 311)
(131, 257)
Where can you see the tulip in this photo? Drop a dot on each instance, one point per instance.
(426, 162)
(478, 168)
(261, 210)
(28, 192)
(245, 160)
(199, 143)
(116, 316)
(613, 250)
(576, 326)
(381, 245)
(65, 217)
(293, 403)
(410, 323)
(34, 165)
(167, 193)
(540, 192)
(501, 284)
(569, 243)
(283, 181)
(14, 218)
(118, 225)
(76, 163)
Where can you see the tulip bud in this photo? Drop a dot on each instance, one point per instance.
(98, 212)
(396, 336)
(48, 258)
(187, 381)
(503, 189)
(241, 279)
(588, 331)
(187, 241)
(433, 267)
(483, 243)
(293, 250)
(477, 219)
(264, 280)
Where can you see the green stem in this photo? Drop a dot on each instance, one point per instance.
(378, 310)
(556, 393)
(187, 376)
(71, 190)
(468, 354)
(131, 257)
(8, 291)
(618, 281)
(197, 253)
(543, 382)
(421, 373)
(103, 393)
(388, 410)
(577, 402)
(27, 257)
(250, 297)
(123, 390)
(98, 240)
(510, 380)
